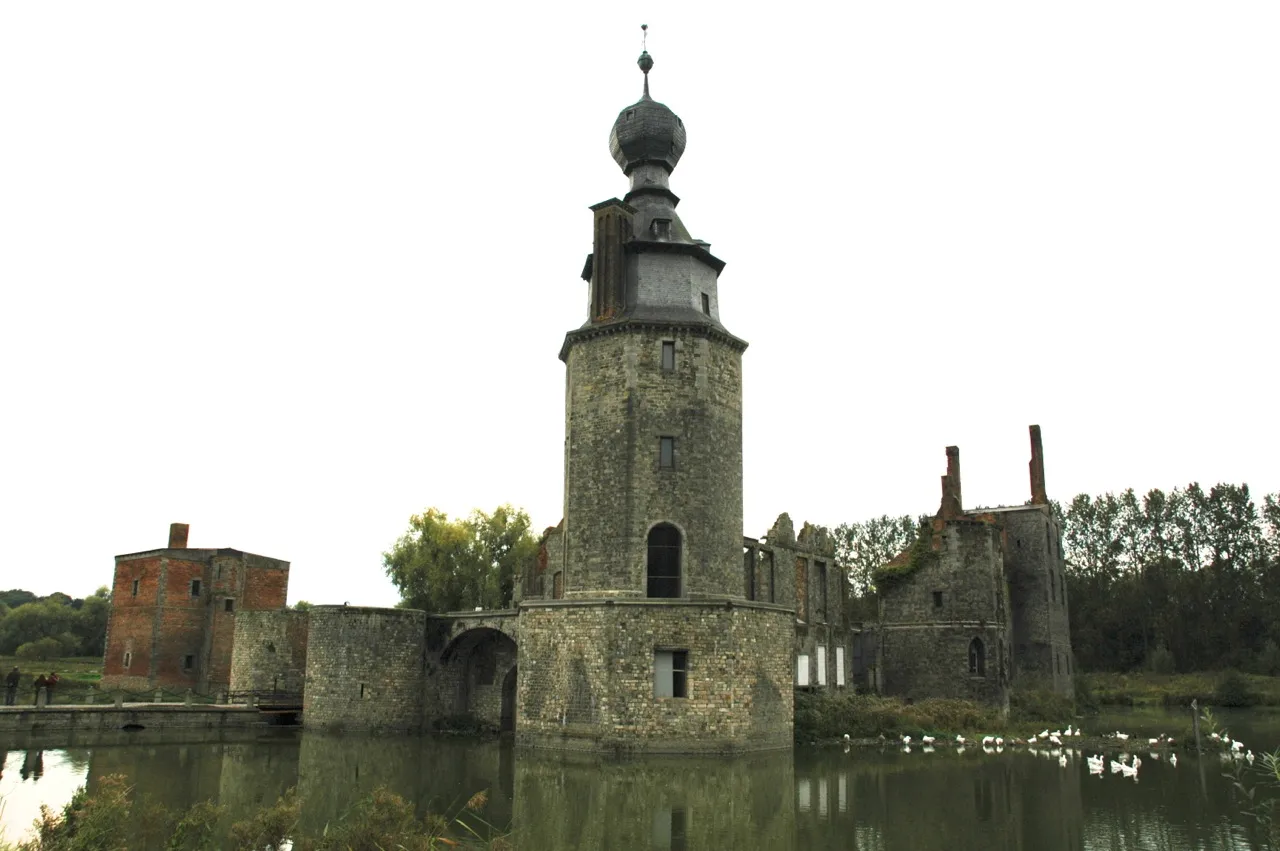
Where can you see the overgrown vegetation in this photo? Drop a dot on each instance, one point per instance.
(112, 819)
(917, 557)
(1228, 688)
(825, 716)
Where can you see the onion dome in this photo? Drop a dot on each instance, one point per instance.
(647, 132)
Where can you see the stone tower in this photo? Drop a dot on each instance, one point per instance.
(642, 637)
(653, 419)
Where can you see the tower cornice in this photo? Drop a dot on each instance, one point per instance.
(641, 323)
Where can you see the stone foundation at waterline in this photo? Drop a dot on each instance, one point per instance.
(587, 676)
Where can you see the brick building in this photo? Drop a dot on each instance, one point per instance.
(173, 613)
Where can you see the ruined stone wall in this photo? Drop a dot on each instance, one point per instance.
(587, 676)
(620, 402)
(270, 651)
(364, 668)
(929, 618)
(1041, 633)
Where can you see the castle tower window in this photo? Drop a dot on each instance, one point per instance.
(667, 453)
(671, 673)
(188, 662)
(706, 304)
(128, 659)
(937, 599)
(661, 228)
(668, 355)
(135, 587)
(663, 570)
(977, 658)
(195, 587)
(228, 605)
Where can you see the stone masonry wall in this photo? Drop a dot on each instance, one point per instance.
(587, 676)
(1041, 633)
(364, 668)
(620, 402)
(924, 638)
(270, 651)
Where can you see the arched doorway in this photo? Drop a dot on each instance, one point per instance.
(476, 668)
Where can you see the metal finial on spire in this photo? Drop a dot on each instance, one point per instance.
(646, 61)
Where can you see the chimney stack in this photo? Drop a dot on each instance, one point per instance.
(1038, 494)
(952, 504)
(178, 536)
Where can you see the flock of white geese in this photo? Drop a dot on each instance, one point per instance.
(1056, 744)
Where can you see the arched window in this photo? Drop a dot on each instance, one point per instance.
(977, 658)
(663, 570)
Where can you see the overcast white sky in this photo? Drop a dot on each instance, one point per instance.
(291, 272)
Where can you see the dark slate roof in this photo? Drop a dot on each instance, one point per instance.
(647, 132)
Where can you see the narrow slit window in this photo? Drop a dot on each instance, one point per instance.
(663, 568)
(135, 587)
(668, 355)
(937, 599)
(195, 587)
(128, 659)
(706, 304)
(977, 658)
(667, 453)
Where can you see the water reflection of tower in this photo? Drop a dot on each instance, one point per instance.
(656, 802)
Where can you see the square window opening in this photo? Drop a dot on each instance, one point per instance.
(937, 599)
(668, 355)
(188, 662)
(228, 605)
(671, 673)
(667, 453)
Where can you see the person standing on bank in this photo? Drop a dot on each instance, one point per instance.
(40, 683)
(11, 686)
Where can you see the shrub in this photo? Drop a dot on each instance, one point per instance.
(862, 716)
(40, 651)
(1040, 705)
(1233, 690)
(1267, 662)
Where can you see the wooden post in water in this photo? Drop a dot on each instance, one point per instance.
(1195, 722)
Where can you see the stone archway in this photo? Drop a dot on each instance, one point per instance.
(474, 671)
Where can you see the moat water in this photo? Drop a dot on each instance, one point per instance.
(814, 798)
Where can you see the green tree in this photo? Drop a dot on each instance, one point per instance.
(864, 547)
(33, 622)
(302, 606)
(443, 565)
(89, 624)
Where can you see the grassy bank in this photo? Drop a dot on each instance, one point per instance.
(77, 676)
(1209, 688)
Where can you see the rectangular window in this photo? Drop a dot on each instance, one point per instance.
(839, 666)
(135, 587)
(671, 673)
(706, 304)
(937, 599)
(802, 669)
(822, 666)
(749, 572)
(802, 589)
(668, 355)
(128, 659)
(195, 587)
(557, 585)
(188, 662)
(228, 605)
(667, 453)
